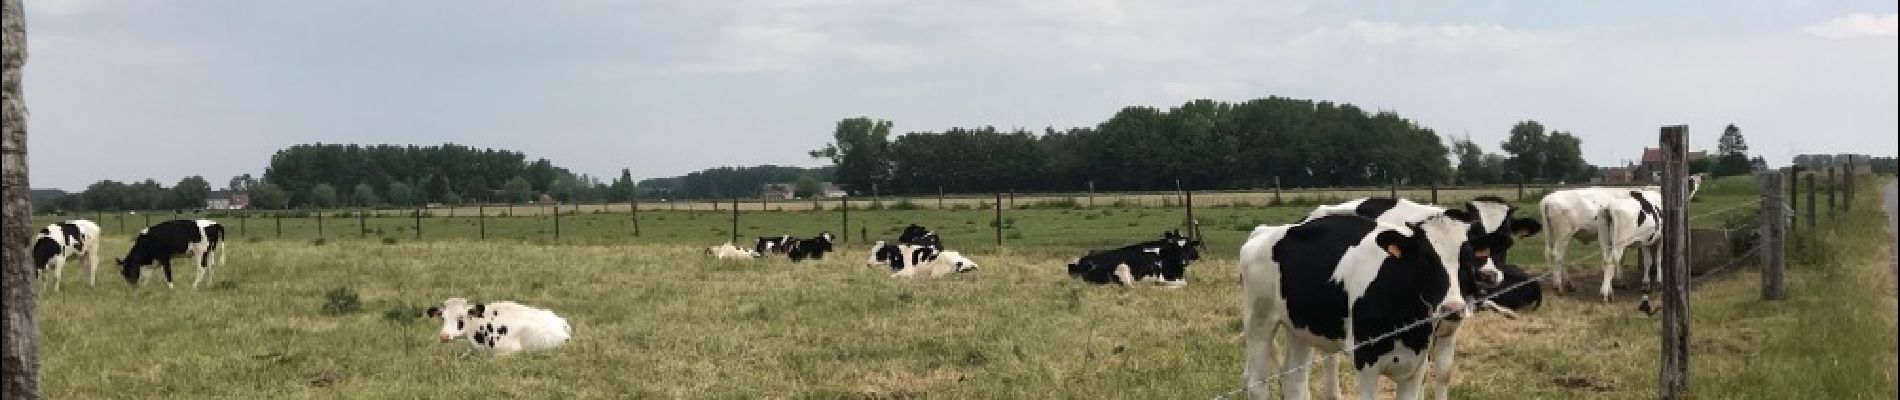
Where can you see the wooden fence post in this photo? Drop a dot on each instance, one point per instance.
(1394, 191)
(279, 214)
(362, 228)
(319, 224)
(1091, 193)
(1812, 215)
(844, 206)
(557, 223)
(735, 219)
(939, 197)
(1674, 374)
(1794, 195)
(1520, 189)
(1434, 191)
(999, 221)
(481, 220)
(1772, 230)
(1847, 181)
(1276, 191)
(1833, 185)
(633, 207)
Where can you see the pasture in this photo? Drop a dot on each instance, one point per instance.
(655, 318)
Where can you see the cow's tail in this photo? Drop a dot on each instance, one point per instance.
(214, 242)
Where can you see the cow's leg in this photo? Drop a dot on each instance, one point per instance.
(1122, 274)
(1329, 376)
(1411, 385)
(1368, 380)
(1259, 328)
(1296, 370)
(203, 260)
(1443, 355)
(1612, 258)
(1554, 247)
(58, 266)
(166, 262)
(92, 266)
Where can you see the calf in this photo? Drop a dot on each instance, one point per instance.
(201, 240)
(771, 245)
(943, 263)
(919, 236)
(814, 248)
(728, 252)
(504, 327)
(1633, 220)
(1166, 259)
(58, 242)
(1341, 281)
(1573, 214)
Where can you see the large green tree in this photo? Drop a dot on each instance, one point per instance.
(517, 190)
(1526, 145)
(860, 148)
(1731, 153)
(364, 196)
(1563, 159)
(321, 196)
(191, 192)
(270, 196)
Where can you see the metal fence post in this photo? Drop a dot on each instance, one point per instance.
(1771, 232)
(1674, 374)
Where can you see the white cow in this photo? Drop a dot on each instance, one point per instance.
(1574, 213)
(71, 239)
(504, 327)
(1636, 220)
(729, 252)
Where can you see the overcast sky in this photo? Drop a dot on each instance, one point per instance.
(166, 89)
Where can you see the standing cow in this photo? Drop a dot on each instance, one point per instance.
(58, 242)
(200, 240)
(1340, 281)
(1577, 213)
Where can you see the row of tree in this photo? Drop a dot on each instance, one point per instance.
(1202, 144)
(725, 182)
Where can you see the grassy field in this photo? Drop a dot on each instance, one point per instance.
(654, 318)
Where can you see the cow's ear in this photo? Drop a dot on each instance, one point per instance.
(1392, 242)
(1459, 215)
(433, 312)
(477, 310)
(1526, 227)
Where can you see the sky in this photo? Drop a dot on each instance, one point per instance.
(167, 89)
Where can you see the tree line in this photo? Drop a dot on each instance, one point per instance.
(1202, 144)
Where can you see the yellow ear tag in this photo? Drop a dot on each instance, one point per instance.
(1482, 253)
(1392, 249)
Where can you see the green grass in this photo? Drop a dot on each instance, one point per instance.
(655, 318)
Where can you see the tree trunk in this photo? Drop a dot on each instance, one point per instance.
(20, 362)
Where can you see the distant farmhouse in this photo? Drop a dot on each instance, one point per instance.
(788, 191)
(227, 200)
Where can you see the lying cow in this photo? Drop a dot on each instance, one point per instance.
(919, 236)
(1343, 280)
(728, 252)
(504, 327)
(1165, 260)
(814, 248)
(943, 263)
(200, 240)
(71, 239)
(771, 245)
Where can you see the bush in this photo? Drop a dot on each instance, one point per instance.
(341, 301)
(1050, 204)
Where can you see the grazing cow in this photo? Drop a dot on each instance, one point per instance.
(728, 252)
(201, 240)
(1343, 280)
(58, 242)
(1166, 260)
(814, 248)
(943, 263)
(1574, 214)
(504, 326)
(771, 245)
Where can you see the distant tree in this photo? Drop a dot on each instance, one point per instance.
(807, 186)
(364, 196)
(242, 183)
(860, 148)
(191, 192)
(270, 196)
(1471, 168)
(401, 194)
(437, 188)
(1563, 159)
(516, 190)
(1731, 153)
(452, 198)
(321, 196)
(622, 187)
(1527, 148)
(1758, 164)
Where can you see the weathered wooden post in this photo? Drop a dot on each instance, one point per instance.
(1394, 191)
(319, 223)
(1520, 188)
(20, 356)
(362, 228)
(279, 214)
(633, 208)
(1812, 215)
(1276, 191)
(939, 197)
(481, 220)
(1772, 230)
(1434, 191)
(844, 207)
(999, 221)
(735, 220)
(1091, 193)
(1794, 195)
(1832, 185)
(1847, 176)
(557, 223)
(1674, 374)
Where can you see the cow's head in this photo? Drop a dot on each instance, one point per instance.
(1524, 294)
(1494, 230)
(456, 314)
(823, 241)
(1432, 254)
(912, 233)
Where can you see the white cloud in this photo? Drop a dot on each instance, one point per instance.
(1447, 37)
(1857, 25)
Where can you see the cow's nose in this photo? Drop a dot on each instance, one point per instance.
(1492, 277)
(1452, 307)
(445, 337)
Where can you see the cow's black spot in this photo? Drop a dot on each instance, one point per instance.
(481, 337)
(478, 310)
(460, 324)
(502, 329)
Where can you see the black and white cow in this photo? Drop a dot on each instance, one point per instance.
(943, 263)
(1494, 230)
(771, 245)
(813, 248)
(1343, 280)
(919, 236)
(71, 239)
(201, 240)
(1576, 214)
(504, 327)
(1165, 260)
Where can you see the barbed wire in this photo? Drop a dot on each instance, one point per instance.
(1750, 203)
(1737, 261)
